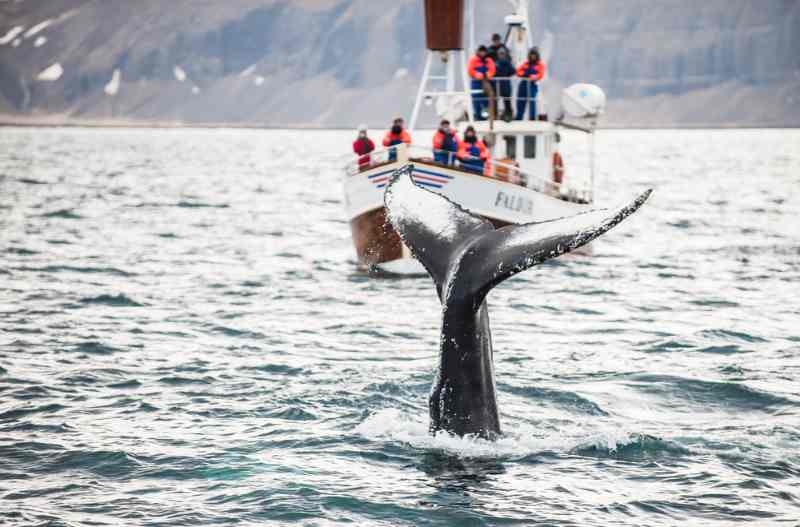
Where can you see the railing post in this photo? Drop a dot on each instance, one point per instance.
(402, 153)
(422, 84)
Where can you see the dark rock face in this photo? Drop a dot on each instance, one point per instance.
(339, 62)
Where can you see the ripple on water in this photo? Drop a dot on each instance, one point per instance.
(222, 360)
(721, 394)
(68, 214)
(119, 300)
(94, 347)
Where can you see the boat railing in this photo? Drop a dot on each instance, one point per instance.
(513, 89)
(491, 168)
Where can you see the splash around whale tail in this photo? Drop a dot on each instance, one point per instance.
(465, 255)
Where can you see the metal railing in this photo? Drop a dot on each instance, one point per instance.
(491, 168)
(512, 97)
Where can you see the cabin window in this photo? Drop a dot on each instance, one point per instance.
(511, 146)
(530, 146)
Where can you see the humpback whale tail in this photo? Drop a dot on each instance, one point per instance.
(466, 256)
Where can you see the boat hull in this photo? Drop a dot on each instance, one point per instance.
(500, 202)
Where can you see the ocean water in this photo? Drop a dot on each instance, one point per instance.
(185, 340)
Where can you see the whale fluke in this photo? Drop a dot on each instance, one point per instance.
(432, 226)
(445, 237)
(466, 257)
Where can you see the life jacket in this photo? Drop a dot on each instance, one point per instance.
(391, 139)
(558, 168)
(473, 155)
(448, 142)
(533, 72)
(481, 68)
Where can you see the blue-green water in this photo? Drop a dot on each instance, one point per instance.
(185, 340)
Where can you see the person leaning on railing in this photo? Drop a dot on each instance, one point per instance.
(445, 144)
(395, 136)
(531, 71)
(480, 67)
(362, 146)
(472, 153)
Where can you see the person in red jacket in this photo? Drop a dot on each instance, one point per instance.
(531, 71)
(445, 144)
(472, 153)
(396, 135)
(362, 146)
(480, 67)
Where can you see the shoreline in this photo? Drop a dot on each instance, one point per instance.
(50, 122)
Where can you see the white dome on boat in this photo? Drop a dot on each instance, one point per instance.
(583, 100)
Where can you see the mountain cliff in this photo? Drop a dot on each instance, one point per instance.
(340, 62)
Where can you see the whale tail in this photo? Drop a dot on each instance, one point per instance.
(457, 247)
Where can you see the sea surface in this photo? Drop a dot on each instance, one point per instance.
(185, 339)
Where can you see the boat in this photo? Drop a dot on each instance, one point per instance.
(520, 182)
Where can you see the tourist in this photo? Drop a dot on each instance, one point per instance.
(472, 153)
(445, 144)
(496, 46)
(480, 68)
(531, 71)
(395, 136)
(362, 146)
(504, 72)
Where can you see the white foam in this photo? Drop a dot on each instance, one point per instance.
(258, 81)
(400, 73)
(393, 425)
(39, 42)
(195, 90)
(11, 35)
(51, 73)
(38, 27)
(249, 71)
(403, 266)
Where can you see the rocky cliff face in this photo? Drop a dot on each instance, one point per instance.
(339, 62)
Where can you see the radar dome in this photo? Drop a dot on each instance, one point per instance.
(583, 100)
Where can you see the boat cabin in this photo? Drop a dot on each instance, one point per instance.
(528, 145)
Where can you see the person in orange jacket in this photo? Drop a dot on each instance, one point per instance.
(472, 153)
(445, 144)
(396, 135)
(531, 71)
(362, 146)
(480, 67)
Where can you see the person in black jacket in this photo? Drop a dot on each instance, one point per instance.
(505, 72)
(496, 45)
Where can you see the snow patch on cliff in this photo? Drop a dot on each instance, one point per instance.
(51, 73)
(38, 27)
(112, 88)
(11, 35)
(180, 75)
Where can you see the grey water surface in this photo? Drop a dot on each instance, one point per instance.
(186, 340)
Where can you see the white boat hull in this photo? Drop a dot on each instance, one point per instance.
(499, 201)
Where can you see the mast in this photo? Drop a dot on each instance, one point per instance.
(444, 37)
